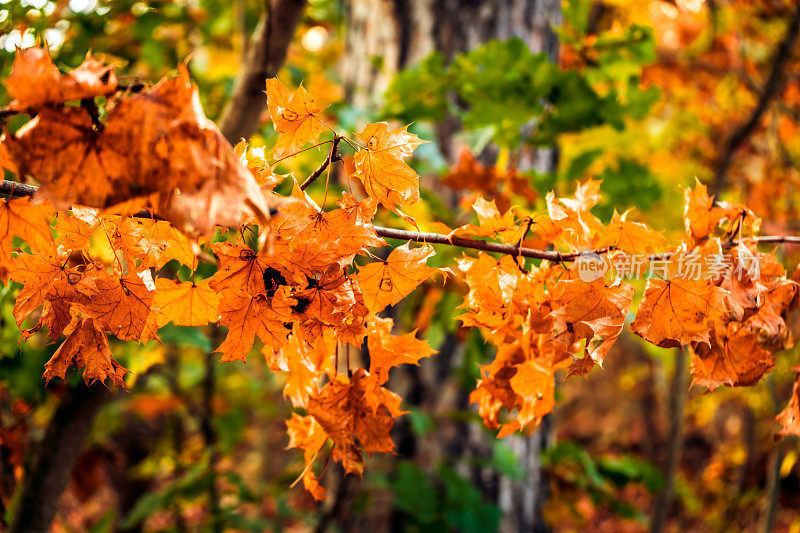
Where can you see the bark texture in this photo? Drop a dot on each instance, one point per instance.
(50, 473)
(383, 37)
(266, 52)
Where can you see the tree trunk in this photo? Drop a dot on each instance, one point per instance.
(50, 472)
(383, 37)
(266, 52)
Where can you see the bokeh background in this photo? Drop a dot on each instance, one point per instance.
(516, 98)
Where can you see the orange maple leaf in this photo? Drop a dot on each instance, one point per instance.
(677, 312)
(592, 311)
(569, 220)
(632, 237)
(304, 362)
(74, 229)
(185, 303)
(534, 383)
(307, 434)
(28, 220)
(699, 214)
(470, 174)
(73, 164)
(356, 408)
(85, 346)
(295, 115)
(491, 223)
(152, 243)
(388, 282)
(155, 146)
(121, 305)
(381, 166)
(248, 317)
(35, 81)
(311, 239)
(37, 273)
(329, 299)
(735, 358)
(387, 350)
(242, 269)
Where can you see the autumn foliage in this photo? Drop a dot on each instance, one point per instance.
(142, 170)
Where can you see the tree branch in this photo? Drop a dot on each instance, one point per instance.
(486, 246)
(332, 156)
(266, 52)
(15, 189)
(771, 87)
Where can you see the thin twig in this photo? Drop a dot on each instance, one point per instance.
(16, 189)
(332, 156)
(771, 87)
(555, 256)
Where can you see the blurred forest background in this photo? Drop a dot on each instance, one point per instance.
(517, 98)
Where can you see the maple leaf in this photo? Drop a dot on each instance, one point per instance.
(85, 346)
(28, 220)
(155, 146)
(381, 166)
(534, 383)
(570, 220)
(493, 391)
(242, 269)
(295, 116)
(6, 159)
(470, 174)
(492, 286)
(307, 434)
(72, 162)
(248, 317)
(356, 408)
(328, 299)
(37, 273)
(490, 223)
(677, 312)
(592, 311)
(735, 358)
(75, 229)
(304, 362)
(387, 350)
(699, 214)
(185, 303)
(789, 418)
(122, 305)
(152, 243)
(632, 237)
(388, 282)
(35, 81)
(365, 209)
(311, 240)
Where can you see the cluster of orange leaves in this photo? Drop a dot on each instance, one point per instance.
(548, 318)
(289, 278)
